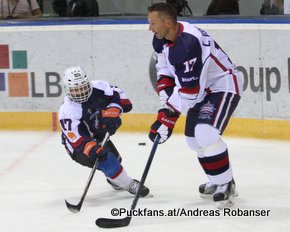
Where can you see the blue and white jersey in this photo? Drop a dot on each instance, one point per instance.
(198, 66)
(80, 121)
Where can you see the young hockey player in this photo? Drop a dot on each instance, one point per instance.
(90, 109)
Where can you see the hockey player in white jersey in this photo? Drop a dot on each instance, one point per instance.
(90, 109)
(196, 77)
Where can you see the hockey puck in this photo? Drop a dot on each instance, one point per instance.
(141, 144)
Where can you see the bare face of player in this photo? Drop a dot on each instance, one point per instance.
(162, 26)
(158, 25)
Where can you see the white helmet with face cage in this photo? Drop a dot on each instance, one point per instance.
(77, 85)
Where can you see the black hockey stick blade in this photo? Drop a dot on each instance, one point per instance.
(122, 222)
(77, 208)
(113, 223)
(74, 208)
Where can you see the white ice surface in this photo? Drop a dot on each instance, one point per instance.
(36, 175)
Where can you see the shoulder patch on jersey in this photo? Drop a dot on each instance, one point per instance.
(158, 44)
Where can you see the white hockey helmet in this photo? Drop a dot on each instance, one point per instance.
(77, 85)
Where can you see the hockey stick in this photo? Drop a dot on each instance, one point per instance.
(77, 208)
(113, 223)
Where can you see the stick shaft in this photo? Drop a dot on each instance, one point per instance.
(114, 223)
(77, 208)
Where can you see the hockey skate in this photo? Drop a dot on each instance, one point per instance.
(133, 189)
(223, 196)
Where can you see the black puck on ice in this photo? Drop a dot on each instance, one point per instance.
(141, 144)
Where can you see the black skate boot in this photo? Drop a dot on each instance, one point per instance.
(224, 194)
(114, 186)
(206, 190)
(133, 188)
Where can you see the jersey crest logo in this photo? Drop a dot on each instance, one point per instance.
(207, 111)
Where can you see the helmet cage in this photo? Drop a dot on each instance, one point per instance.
(77, 85)
(79, 94)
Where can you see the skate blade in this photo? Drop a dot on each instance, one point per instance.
(210, 196)
(225, 204)
(118, 189)
(235, 194)
(149, 195)
(206, 196)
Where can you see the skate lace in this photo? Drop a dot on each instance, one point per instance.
(134, 187)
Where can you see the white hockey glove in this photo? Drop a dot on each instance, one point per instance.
(165, 86)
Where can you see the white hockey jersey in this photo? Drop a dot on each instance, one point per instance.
(198, 66)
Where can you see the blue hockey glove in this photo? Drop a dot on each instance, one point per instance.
(111, 120)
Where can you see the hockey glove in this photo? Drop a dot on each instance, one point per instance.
(165, 86)
(102, 153)
(94, 151)
(111, 120)
(164, 125)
